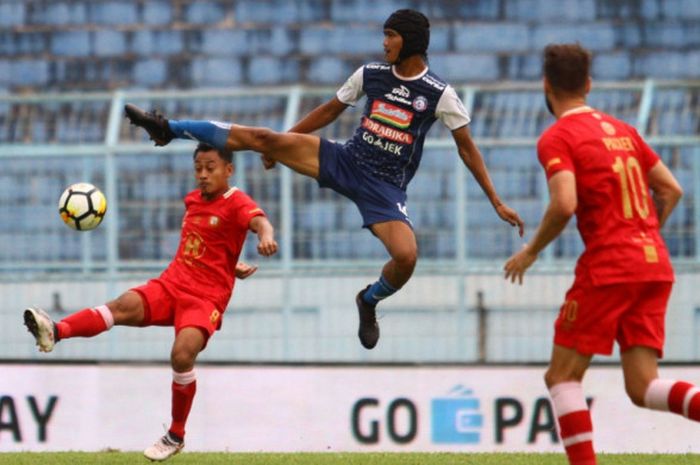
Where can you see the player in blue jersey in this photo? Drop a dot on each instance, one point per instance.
(373, 168)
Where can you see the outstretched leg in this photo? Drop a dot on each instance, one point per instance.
(127, 309)
(297, 151)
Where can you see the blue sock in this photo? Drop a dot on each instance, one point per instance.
(380, 290)
(209, 132)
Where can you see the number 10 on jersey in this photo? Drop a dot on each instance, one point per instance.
(633, 187)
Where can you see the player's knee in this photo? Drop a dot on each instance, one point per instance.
(636, 394)
(406, 258)
(265, 139)
(553, 377)
(125, 309)
(181, 360)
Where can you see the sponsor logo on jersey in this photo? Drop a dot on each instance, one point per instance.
(428, 79)
(387, 132)
(214, 317)
(391, 114)
(401, 91)
(420, 103)
(608, 128)
(377, 66)
(376, 141)
(213, 221)
(399, 99)
(193, 247)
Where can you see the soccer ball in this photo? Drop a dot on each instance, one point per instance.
(82, 206)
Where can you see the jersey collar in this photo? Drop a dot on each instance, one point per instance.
(408, 78)
(577, 110)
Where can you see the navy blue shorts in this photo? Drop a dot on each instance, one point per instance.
(377, 200)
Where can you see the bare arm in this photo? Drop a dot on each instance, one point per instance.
(471, 156)
(666, 191)
(320, 117)
(266, 235)
(562, 206)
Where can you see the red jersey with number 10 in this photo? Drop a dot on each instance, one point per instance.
(615, 213)
(213, 234)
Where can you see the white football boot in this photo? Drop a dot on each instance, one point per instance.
(42, 328)
(163, 449)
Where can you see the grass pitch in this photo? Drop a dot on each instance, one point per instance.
(192, 458)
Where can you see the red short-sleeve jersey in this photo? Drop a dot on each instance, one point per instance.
(615, 213)
(213, 234)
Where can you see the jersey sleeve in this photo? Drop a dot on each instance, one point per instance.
(246, 209)
(352, 91)
(450, 110)
(554, 154)
(647, 156)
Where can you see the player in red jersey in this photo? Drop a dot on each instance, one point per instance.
(191, 294)
(600, 169)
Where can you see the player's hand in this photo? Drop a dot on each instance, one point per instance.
(516, 265)
(509, 215)
(243, 270)
(267, 246)
(267, 161)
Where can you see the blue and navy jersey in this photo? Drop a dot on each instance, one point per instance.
(396, 118)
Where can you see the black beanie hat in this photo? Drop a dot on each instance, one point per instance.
(414, 29)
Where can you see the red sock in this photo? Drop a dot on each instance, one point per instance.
(184, 387)
(85, 323)
(575, 426)
(674, 396)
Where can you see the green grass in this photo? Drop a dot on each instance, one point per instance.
(118, 458)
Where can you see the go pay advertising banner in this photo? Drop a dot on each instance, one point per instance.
(281, 409)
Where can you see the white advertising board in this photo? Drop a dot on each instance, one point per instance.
(280, 409)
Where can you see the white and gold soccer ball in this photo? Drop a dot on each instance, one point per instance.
(82, 206)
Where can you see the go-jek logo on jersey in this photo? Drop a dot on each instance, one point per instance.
(456, 418)
(391, 114)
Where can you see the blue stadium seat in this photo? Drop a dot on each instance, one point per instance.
(109, 42)
(220, 42)
(58, 13)
(12, 14)
(71, 43)
(150, 72)
(271, 70)
(148, 43)
(157, 12)
(545, 11)
(328, 70)
(113, 12)
(455, 67)
(612, 66)
(25, 72)
(203, 12)
(217, 72)
(509, 37)
(364, 11)
(276, 41)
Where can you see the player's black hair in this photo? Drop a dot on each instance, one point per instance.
(414, 29)
(225, 155)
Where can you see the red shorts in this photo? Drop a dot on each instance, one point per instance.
(166, 305)
(593, 317)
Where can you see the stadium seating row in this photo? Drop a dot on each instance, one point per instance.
(79, 44)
